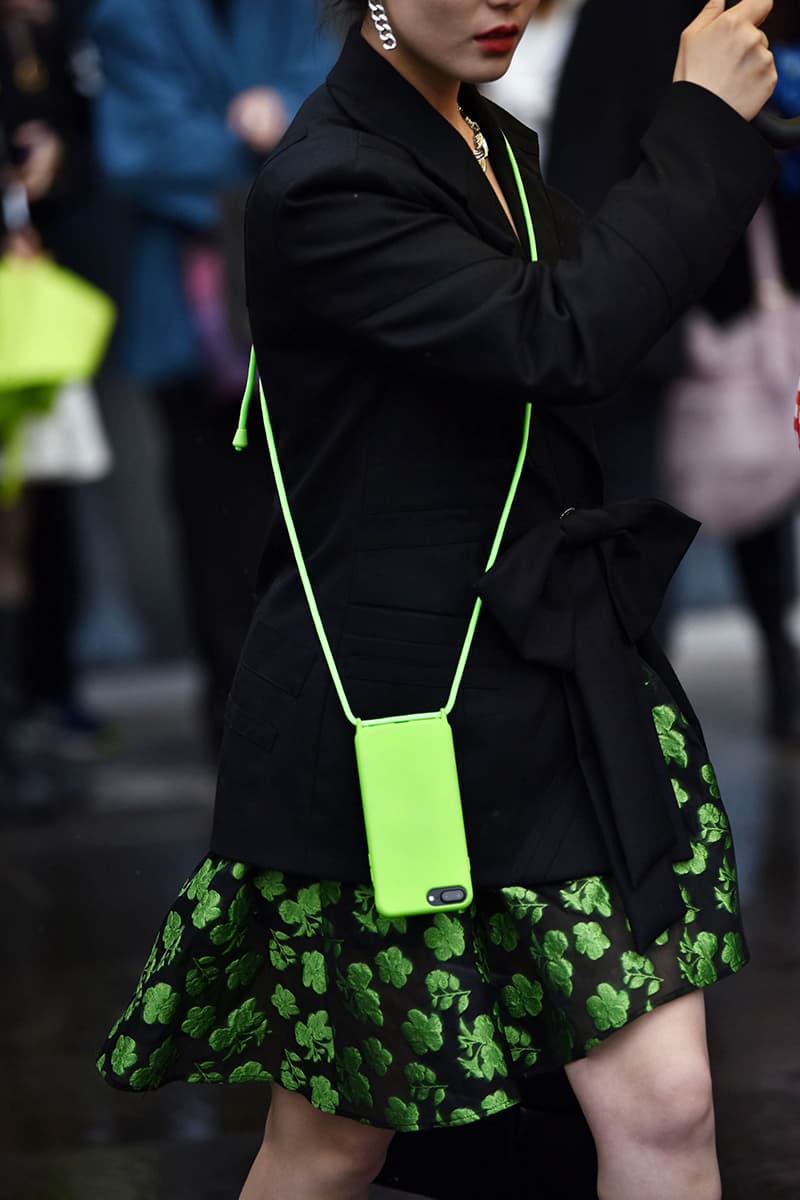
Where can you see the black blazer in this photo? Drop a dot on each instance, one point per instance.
(400, 329)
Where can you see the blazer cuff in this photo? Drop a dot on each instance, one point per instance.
(742, 160)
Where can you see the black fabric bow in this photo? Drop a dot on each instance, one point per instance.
(579, 594)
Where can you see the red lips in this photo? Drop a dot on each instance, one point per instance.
(500, 40)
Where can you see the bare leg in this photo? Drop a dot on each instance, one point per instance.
(646, 1093)
(307, 1154)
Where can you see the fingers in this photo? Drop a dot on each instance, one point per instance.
(754, 11)
(709, 14)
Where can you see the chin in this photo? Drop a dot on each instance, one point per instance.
(487, 73)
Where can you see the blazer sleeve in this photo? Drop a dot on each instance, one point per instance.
(363, 250)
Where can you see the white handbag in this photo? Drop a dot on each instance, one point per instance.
(67, 444)
(731, 457)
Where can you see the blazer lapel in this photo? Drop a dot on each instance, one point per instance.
(379, 99)
(496, 123)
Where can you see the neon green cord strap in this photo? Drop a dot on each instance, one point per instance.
(240, 442)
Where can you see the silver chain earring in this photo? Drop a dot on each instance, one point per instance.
(383, 25)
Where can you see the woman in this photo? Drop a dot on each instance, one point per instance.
(400, 329)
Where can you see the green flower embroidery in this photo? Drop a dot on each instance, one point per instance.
(681, 795)
(463, 1116)
(323, 1095)
(360, 999)
(238, 870)
(400, 1115)
(281, 953)
(727, 892)
(696, 961)
(198, 1021)
(496, 1102)
(422, 1032)
(250, 1072)
(482, 1058)
(315, 1036)
(663, 938)
(638, 971)
(201, 976)
(393, 966)
(231, 933)
(159, 1062)
(503, 932)
(206, 910)
(551, 956)
(714, 825)
(697, 864)
(523, 903)
(353, 1084)
(445, 991)
(205, 1072)
(242, 971)
(198, 885)
(590, 940)
(691, 909)
(523, 997)
(304, 912)
(283, 1000)
(734, 953)
(673, 743)
(245, 1024)
(270, 884)
(608, 1008)
(377, 1057)
(445, 937)
(160, 1004)
(293, 1077)
(587, 896)
(520, 1045)
(315, 973)
(171, 937)
(124, 1055)
(709, 776)
(424, 1086)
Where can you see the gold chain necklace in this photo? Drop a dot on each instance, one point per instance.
(480, 147)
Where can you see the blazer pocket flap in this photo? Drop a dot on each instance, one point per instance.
(277, 659)
(256, 728)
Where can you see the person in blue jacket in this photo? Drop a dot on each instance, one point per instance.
(195, 95)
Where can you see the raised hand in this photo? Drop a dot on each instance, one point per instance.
(727, 52)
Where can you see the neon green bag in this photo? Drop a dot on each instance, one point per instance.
(54, 326)
(407, 768)
(54, 329)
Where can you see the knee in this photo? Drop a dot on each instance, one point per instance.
(673, 1109)
(355, 1162)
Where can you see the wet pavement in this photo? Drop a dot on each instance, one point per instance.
(82, 896)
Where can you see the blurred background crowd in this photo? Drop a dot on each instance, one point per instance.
(130, 131)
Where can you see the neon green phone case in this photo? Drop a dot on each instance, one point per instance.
(412, 812)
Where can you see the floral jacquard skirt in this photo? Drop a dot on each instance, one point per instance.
(428, 1021)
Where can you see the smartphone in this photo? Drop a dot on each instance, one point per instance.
(412, 813)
